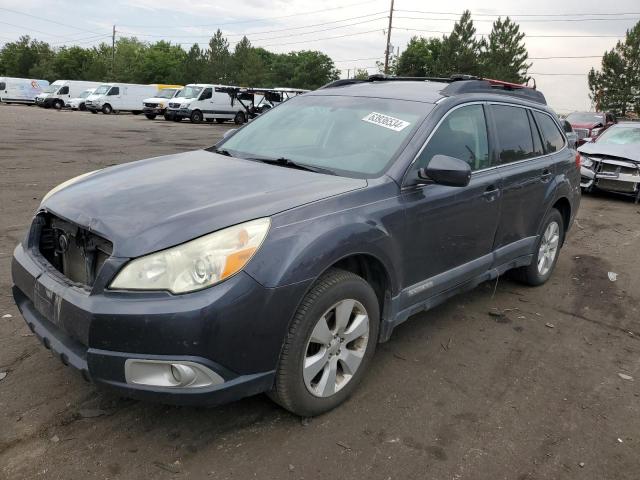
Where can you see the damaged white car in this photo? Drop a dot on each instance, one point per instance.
(612, 161)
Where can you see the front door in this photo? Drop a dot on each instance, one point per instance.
(450, 230)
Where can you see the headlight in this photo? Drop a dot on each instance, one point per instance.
(586, 161)
(161, 105)
(197, 264)
(596, 131)
(66, 184)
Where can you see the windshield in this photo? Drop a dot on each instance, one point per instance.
(86, 93)
(353, 136)
(166, 93)
(102, 89)
(620, 135)
(585, 117)
(189, 92)
(52, 88)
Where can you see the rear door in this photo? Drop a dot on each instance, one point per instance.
(527, 172)
(450, 230)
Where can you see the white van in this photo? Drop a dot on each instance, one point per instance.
(77, 103)
(57, 94)
(154, 106)
(20, 90)
(200, 101)
(118, 97)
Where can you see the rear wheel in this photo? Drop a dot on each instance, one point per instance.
(196, 116)
(150, 116)
(546, 253)
(240, 118)
(106, 109)
(329, 345)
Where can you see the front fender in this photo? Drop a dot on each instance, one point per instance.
(302, 251)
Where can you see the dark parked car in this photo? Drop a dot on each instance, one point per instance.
(590, 124)
(278, 259)
(612, 161)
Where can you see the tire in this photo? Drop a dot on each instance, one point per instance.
(168, 117)
(94, 112)
(58, 104)
(106, 109)
(296, 387)
(150, 116)
(177, 119)
(136, 112)
(82, 107)
(196, 116)
(533, 274)
(240, 118)
(221, 120)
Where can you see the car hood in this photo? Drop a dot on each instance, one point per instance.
(149, 205)
(628, 152)
(586, 125)
(157, 99)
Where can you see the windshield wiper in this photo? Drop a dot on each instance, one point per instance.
(286, 162)
(220, 151)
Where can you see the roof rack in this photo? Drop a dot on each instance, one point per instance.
(458, 84)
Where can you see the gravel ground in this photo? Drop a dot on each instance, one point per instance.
(457, 393)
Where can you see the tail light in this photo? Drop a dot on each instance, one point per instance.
(578, 161)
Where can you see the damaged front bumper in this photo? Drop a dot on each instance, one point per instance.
(619, 176)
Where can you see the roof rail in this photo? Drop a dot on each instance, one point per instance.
(457, 84)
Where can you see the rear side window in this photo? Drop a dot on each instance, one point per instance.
(567, 126)
(515, 141)
(551, 135)
(64, 90)
(463, 135)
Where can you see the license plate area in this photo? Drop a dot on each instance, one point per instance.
(47, 303)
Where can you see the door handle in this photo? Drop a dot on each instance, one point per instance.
(490, 193)
(546, 175)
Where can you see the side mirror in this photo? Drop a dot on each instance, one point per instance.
(446, 170)
(228, 133)
(587, 139)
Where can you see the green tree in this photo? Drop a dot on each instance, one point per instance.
(161, 63)
(421, 58)
(504, 56)
(195, 63)
(19, 58)
(218, 59)
(361, 74)
(460, 51)
(616, 86)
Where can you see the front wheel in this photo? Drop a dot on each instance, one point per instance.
(82, 107)
(150, 116)
(546, 252)
(196, 116)
(240, 118)
(106, 109)
(329, 345)
(58, 104)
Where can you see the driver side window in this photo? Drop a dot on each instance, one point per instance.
(206, 94)
(462, 135)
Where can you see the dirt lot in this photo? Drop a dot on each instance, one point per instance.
(455, 394)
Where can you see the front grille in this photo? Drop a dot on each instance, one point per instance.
(582, 132)
(151, 105)
(74, 251)
(174, 105)
(617, 186)
(613, 168)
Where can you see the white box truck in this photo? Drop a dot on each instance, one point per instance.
(122, 97)
(20, 90)
(200, 101)
(60, 91)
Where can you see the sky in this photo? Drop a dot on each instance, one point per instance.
(351, 32)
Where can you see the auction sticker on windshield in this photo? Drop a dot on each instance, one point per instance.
(386, 121)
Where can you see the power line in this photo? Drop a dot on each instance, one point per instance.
(546, 20)
(262, 32)
(46, 20)
(527, 35)
(559, 74)
(255, 20)
(357, 59)
(523, 14)
(569, 57)
(278, 36)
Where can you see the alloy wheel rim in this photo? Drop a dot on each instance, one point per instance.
(336, 348)
(548, 248)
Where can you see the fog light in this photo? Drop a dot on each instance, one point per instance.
(172, 374)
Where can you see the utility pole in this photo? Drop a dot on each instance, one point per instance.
(386, 50)
(113, 52)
